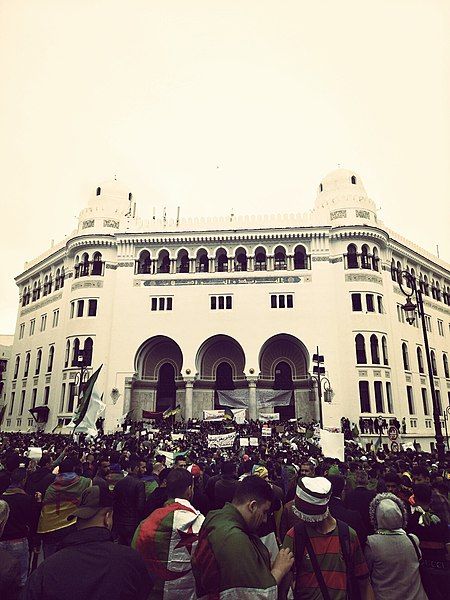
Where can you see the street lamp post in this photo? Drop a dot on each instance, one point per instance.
(410, 310)
(317, 379)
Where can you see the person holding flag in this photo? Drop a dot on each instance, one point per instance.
(89, 409)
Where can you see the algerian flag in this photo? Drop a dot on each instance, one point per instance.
(170, 412)
(89, 408)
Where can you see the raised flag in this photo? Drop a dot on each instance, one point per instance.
(170, 412)
(85, 400)
(228, 414)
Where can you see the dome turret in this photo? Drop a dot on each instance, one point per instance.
(342, 199)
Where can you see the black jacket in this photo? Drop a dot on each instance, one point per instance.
(90, 567)
(351, 517)
(359, 499)
(22, 516)
(39, 481)
(129, 502)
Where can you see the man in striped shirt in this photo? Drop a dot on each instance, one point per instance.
(322, 567)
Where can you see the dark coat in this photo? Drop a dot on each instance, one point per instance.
(351, 517)
(90, 567)
(22, 517)
(359, 499)
(39, 481)
(129, 503)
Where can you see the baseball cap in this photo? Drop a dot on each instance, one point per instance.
(92, 500)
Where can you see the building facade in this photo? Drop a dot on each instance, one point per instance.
(177, 311)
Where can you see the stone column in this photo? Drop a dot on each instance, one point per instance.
(250, 263)
(230, 264)
(188, 399)
(211, 265)
(290, 263)
(252, 406)
(192, 265)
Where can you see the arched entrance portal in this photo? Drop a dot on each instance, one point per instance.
(283, 363)
(166, 389)
(158, 364)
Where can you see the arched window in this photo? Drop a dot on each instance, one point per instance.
(374, 350)
(399, 271)
(393, 271)
(67, 355)
(183, 261)
(50, 284)
(34, 291)
(352, 257)
(426, 285)
(279, 259)
(445, 363)
(202, 261)
(375, 259)
(57, 276)
(24, 296)
(27, 365)
(405, 356)
(16, 367)
(221, 260)
(260, 259)
(88, 349)
(61, 280)
(144, 262)
(365, 257)
(163, 262)
(300, 258)
(99, 191)
(75, 352)
(38, 362)
(384, 350)
(240, 260)
(433, 363)
(84, 265)
(360, 346)
(438, 292)
(51, 354)
(97, 264)
(353, 179)
(420, 360)
(45, 292)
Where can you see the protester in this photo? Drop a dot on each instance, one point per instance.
(360, 497)
(21, 522)
(167, 538)
(59, 501)
(89, 565)
(339, 512)
(10, 570)
(328, 557)
(129, 501)
(390, 553)
(230, 560)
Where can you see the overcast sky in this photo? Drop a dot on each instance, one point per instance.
(213, 105)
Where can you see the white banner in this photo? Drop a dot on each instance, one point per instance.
(34, 452)
(332, 444)
(177, 436)
(213, 415)
(239, 415)
(269, 417)
(243, 441)
(266, 431)
(222, 440)
(253, 441)
(264, 398)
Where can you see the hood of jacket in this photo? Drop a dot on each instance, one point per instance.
(387, 512)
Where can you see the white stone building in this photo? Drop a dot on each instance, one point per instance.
(178, 309)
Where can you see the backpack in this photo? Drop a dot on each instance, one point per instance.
(302, 540)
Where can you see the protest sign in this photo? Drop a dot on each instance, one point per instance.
(243, 441)
(177, 436)
(34, 452)
(253, 441)
(332, 444)
(269, 417)
(222, 440)
(266, 431)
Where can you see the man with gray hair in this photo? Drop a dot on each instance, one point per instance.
(9, 567)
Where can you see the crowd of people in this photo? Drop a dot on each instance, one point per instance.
(157, 511)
